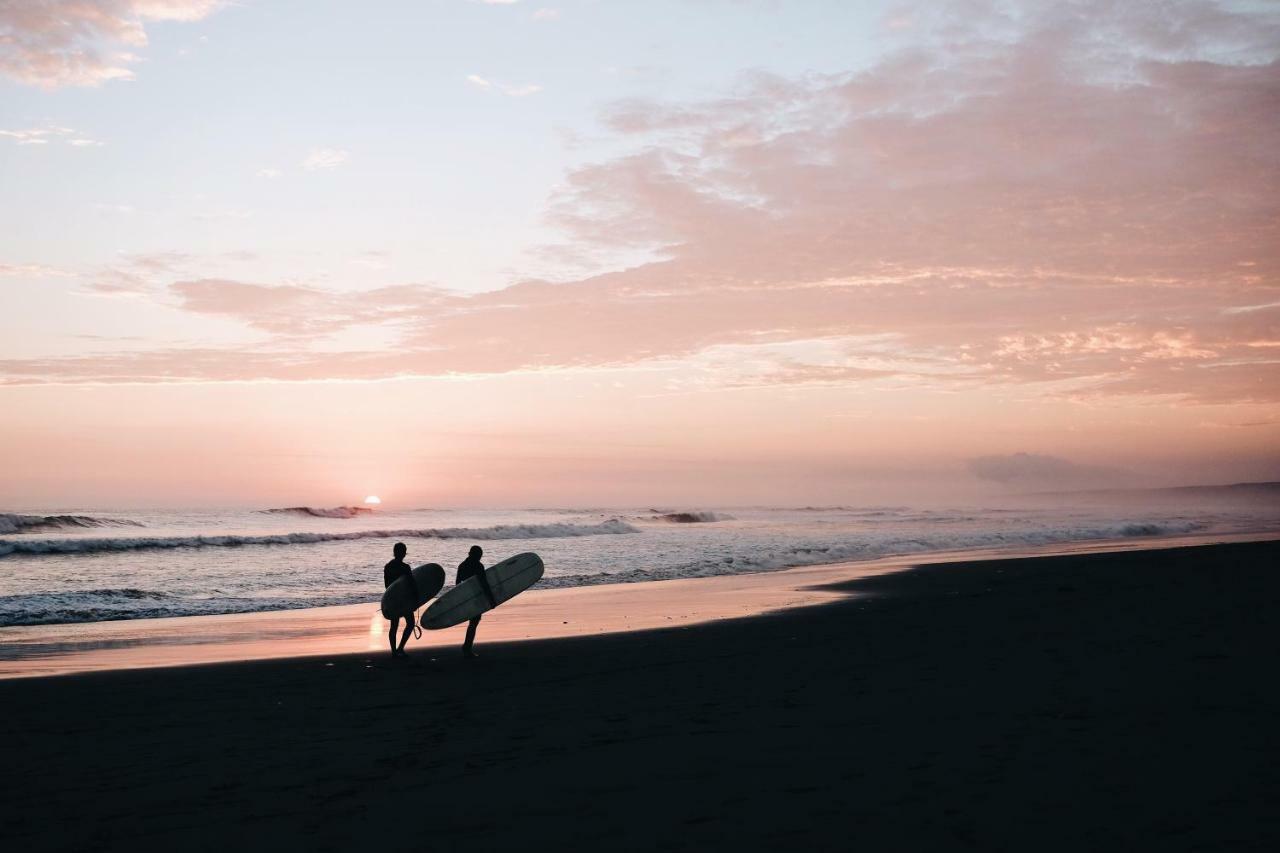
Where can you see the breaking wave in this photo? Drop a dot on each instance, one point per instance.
(689, 517)
(14, 523)
(319, 512)
(112, 605)
(501, 531)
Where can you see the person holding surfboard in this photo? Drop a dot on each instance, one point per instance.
(391, 573)
(473, 568)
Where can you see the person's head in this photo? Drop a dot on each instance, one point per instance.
(400, 550)
(475, 552)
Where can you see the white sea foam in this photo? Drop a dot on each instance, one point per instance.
(108, 605)
(792, 555)
(10, 547)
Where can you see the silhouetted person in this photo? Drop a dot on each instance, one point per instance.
(472, 567)
(391, 573)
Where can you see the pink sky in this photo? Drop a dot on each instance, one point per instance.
(1050, 231)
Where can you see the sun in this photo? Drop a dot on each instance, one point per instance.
(373, 500)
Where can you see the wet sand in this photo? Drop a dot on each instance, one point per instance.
(1088, 701)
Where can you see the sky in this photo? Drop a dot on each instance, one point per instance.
(502, 254)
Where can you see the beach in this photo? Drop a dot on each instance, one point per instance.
(1085, 701)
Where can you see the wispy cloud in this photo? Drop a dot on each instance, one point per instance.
(546, 14)
(269, 174)
(511, 91)
(49, 133)
(144, 274)
(52, 43)
(324, 158)
(298, 310)
(1249, 309)
(33, 271)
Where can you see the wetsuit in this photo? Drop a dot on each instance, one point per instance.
(473, 568)
(395, 570)
(391, 573)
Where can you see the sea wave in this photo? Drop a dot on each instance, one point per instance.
(10, 547)
(788, 556)
(320, 512)
(695, 517)
(15, 523)
(113, 605)
(137, 602)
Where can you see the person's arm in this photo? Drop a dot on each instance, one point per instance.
(484, 584)
(413, 586)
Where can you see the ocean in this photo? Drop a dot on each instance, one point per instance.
(86, 565)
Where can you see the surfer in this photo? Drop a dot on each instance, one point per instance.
(472, 567)
(391, 573)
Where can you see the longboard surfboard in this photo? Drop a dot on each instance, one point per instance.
(398, 601)
(506, 579)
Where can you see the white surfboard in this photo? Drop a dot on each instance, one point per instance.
(506, 579)
(398, 601)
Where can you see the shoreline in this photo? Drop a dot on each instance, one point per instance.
(66, 649)
(1097, 700)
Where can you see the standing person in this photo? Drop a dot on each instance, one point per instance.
(391, 573)
(472, 567)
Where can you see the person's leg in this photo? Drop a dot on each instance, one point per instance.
(408, 629)
(471, 637)
(391, 634)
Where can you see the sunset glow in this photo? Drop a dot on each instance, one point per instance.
(814, 253)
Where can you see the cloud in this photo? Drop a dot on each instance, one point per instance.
(521, 91)
(139, 275)
(53, 43)
(157, 263)
(511, 91)
(269, 174)
(546, 14)
(1072, 208)
(1249, 309)
(324, 158)
(49, 133)
(299, 311)
(1036, 471)
(32, 271)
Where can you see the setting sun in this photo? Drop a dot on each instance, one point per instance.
(373, 500)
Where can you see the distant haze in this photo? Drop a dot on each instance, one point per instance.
(678, 254)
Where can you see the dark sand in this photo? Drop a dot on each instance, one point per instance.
(1109, 701)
